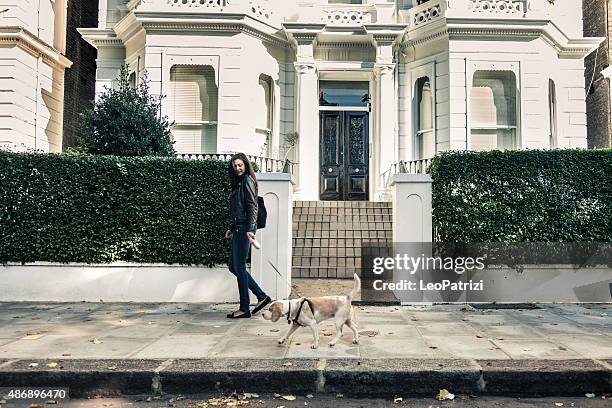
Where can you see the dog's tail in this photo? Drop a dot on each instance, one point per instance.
(356, 287)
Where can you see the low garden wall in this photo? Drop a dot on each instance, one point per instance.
(82, 227)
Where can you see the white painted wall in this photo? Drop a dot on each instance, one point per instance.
(31, 82)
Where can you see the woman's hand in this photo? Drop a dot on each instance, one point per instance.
(251, 237)
(228, 234)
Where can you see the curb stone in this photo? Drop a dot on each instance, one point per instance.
(354, 377)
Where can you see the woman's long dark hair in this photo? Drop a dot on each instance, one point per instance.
(248, 169)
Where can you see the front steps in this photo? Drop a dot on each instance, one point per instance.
(327, 235)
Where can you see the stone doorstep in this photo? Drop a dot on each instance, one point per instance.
(352, 377)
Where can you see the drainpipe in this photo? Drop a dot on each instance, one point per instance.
(38, 90)
(396, 118)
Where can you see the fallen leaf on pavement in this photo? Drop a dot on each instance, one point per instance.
(32, 337)
(52, 365)
(445, 395)
(113, 367)
(288, 397)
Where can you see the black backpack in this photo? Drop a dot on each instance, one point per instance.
(262, 213)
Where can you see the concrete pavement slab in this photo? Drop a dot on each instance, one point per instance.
(445, 329)
(465, 347)
(407, 348)
(514, 331)
(179, 346)
(264, 347)
(591, 346)
(535, 349)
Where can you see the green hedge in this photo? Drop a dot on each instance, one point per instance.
(523, 196)
(98, 209)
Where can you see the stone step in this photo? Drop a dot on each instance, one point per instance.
(341, 204)
(328, 236)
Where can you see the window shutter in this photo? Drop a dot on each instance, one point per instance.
(194, 96)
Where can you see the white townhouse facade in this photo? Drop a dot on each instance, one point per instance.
(363, 84)
(32, 64)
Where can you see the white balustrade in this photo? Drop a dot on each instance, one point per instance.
(210, 4)
(499, 6)
(426, 12)
(348, 15)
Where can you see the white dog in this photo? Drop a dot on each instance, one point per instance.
(311, 311)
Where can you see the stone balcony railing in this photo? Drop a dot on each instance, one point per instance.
(274, 12)
(263, 10)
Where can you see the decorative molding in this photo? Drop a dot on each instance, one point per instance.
(343, 45)
(422, 40)
(22, 38)
(383, 69)
(218, 26)
(304, 68)
(564, 50)
(98, 37)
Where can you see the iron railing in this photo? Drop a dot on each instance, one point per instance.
(264, 164)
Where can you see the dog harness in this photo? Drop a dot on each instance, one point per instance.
(297, 315)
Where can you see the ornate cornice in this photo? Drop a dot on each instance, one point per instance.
(571, 49)
(421, 40)
(22, 38)
(235, 26)
(100, 37)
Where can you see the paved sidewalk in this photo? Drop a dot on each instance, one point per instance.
(558, 349)
(136, 331)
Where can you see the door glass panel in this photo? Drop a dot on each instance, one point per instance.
(356, 145)
(330, 139)
(343, 93)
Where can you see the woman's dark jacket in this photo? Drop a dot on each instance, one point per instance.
(243, 203)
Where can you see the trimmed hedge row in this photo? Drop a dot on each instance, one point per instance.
(523, 196)
(98, 209)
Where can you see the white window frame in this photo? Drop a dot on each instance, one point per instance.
(512, 66)
(427, 70)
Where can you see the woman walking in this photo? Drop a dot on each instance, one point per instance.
(243, 205)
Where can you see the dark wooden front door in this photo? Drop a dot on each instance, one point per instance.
(344, 155)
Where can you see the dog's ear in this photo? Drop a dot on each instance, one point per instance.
(277, 311)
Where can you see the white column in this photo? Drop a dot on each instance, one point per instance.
(385, 124)
(307, 119)
(271, 265)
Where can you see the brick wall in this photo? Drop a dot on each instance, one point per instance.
(80, 79)
(597, 21)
